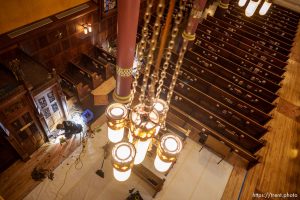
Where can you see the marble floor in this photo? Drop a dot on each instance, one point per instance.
(196, 175)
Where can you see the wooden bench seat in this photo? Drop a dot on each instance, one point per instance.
(149, 177)
(226, 85)
(224, 112)
(78, 79)
(102, 55)
(185, 120)
(229, 60)
(269, 43)
(227, 130)
(263, 27)
(192, 79)
(268, 21)
(238, 84)
(253, 44)
(259, 30)
(268, 62)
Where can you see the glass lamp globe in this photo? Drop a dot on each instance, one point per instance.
(116, 114)
(242, 2)
(162, 108)
(265, 7)
(169, 147)
(123, 154)
(251, 7)
(144, 121)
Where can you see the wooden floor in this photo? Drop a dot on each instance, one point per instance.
(279, 171)
(16, 181)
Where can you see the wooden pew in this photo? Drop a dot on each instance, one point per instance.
(102, 55)
(200, 83)
(85, 67)
(101, 66)
(184, 119)
(260, 58)
(217, 108)
(284, 11)
(269, 27)
(209, 119)
(149, 177)
(267, 21)
(268, 70)
(231, 33)
(229, 87)
(229, 60)
(260, 31)
(78, 79)
(271, 44)
(238, 78)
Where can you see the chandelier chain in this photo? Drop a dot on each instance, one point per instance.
(153, 43)
(178, 65)
(141, 50)
(168, 54)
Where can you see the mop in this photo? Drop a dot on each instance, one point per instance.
(100, 171)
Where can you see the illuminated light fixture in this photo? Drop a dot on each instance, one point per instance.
(89, 28)
(162, 108)
(116, 114)
(265, 7)
(251, 7)
(169, 147)
(146, 117)
(242, 2)
(85, 29)
(123, 154)
(144, 122)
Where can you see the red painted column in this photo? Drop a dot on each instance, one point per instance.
(128, 15)
(194, 18)
(193, 21)
(222, 8)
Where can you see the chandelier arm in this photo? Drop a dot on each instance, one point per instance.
(153, 42)
(141, 50)
(168, 54)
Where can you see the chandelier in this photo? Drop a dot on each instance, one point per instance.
(252, 6)
(135, 127)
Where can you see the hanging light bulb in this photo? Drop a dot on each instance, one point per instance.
(251, 7)
(162, 108)
(143, 126)
(116, 114)
(123, 154)
(265, 7)
(242, 2)
(90, 28)
(169, 147)
(141, 150)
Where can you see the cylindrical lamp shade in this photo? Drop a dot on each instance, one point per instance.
(242, 2)
(160, 165)
(162, 108)
(123, 154)
(116, 114)
(169, 147)
(251, 7)
(141, 150)
(265, 7)
(121, 176)
(115, 136)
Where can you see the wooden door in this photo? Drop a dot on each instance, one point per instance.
(27, 132)
(7, 153)
(50, 106)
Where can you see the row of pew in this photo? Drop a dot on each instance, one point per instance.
(230, 77)
(88, 71)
